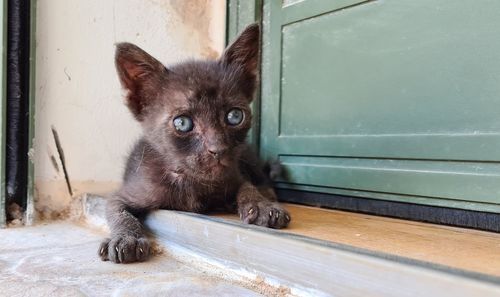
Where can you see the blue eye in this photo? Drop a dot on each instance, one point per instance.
(183, 124)
(235, 116)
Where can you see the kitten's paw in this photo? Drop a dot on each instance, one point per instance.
(267, 214)
(125, 249)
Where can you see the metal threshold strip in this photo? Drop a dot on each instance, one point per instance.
(302, 265)
(315, 266)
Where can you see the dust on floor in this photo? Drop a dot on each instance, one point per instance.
(60, 259)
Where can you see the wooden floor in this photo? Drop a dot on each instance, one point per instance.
(465, 249)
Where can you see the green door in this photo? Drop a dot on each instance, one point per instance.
(394, 100)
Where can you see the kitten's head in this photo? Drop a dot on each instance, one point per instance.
(196, 114)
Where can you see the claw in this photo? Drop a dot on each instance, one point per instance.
(277, 214)
(287, 217)
(140, 249)
(101, 251)
(271, 213)
(250, 211)
(116, 249)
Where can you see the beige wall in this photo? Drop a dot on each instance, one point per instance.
(77, 90)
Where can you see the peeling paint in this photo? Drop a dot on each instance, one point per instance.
(31, 155)
(197, 16)
(53, 202)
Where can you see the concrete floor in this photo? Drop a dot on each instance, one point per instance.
(60, 259)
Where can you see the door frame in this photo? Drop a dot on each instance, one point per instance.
(239, 14)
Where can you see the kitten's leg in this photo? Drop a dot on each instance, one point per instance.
(258, 209)
(128, 242)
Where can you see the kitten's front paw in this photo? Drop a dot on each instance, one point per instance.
(267, 214)
(125, 249)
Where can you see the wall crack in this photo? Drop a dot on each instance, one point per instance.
(62, 159)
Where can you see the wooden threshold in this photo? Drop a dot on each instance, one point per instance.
(458, 248)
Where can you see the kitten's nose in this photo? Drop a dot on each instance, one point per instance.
(216, 152)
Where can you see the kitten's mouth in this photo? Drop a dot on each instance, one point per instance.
(218, 165)
(210, 169)
(217, 168)
(223, 162)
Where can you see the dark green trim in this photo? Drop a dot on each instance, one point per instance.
(410, 211)
(391, 197)
(30, 207)
(241, 13)
(3, 89)
(231, 20)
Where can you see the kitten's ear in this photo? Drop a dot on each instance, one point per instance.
(244, 51)
(138, 72)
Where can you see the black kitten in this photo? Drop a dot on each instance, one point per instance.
(192, 155)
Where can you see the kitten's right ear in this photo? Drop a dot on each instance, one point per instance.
(138, 72)
(244, 51)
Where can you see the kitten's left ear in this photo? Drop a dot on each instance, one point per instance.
(140, 74)
(244, 51)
